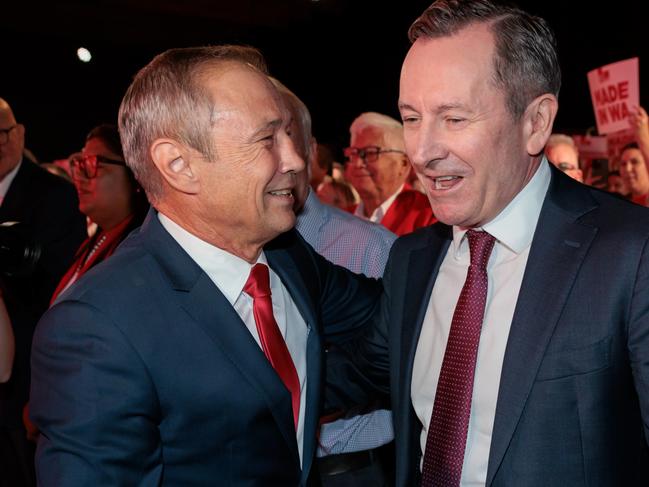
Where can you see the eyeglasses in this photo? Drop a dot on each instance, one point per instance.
(368, 154)
(86, 164)
(4, 133)
(566, 166)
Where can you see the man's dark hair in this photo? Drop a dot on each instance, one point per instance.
(526, 64)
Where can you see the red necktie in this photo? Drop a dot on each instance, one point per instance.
(272, 343)
(449, 423)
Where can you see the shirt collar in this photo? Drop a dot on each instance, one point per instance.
(228, 272)
(6, 181)
(380, 211)
(514, 226)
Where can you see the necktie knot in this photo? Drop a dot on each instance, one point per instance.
(258, 283)
(480, 246)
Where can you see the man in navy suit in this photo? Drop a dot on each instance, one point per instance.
(555, 390)
(155, 368)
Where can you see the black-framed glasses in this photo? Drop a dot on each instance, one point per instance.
(4, 133)
(368, 154)
(86, 164)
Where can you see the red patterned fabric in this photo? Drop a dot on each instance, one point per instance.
(272, 342)
(446, 440)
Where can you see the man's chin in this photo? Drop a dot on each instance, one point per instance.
(282, 223)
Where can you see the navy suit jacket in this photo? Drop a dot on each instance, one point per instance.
(144, 374)
(573, 400)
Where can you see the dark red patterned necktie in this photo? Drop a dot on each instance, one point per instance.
(272, 343)
(449, 423)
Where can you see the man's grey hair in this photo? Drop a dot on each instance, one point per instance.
(558, 139)
(391, 129)
(298, 107)
(526, 63)
(167, 98)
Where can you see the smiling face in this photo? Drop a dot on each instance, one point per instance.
(380, 179)
(246, 193)
(633, 170)
(468, 152)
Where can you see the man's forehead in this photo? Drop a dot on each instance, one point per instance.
(6, 116)
(238, 83)
(368, 132)
(241, 94)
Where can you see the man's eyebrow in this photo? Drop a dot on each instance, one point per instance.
(405, 106)
(270, 125)
(438, 109)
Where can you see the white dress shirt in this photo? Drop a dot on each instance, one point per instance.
(380, 211)
(513, 229)
(5, 183)
(229, 273)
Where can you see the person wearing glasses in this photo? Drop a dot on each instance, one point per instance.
(562, 151)
(378, 167)
(46, 207)
(109, 196)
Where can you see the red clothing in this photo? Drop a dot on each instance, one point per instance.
(92, 251)
(642, 199)
(408, 212)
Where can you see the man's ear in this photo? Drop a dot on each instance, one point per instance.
(174, 164)
(538, 120)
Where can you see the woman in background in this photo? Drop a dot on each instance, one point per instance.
(108, 195)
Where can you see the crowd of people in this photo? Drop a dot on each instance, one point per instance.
(203, 295)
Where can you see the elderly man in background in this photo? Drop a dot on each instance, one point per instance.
(378, 167)
(562, 151)
(193, 356)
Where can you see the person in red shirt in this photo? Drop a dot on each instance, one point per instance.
(633, 169)
(377, 167)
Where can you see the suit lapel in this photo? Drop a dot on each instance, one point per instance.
(284, 266)
(423, 265)
(558, 249)
(208, 307)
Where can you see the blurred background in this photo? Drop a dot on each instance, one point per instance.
(342, 57)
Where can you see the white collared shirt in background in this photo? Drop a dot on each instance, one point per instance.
(229, 273)
(513, 229)
(378, 214)
(5, 183)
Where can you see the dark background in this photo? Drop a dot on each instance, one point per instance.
(342, 57)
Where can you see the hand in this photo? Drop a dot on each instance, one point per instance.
(640, 124)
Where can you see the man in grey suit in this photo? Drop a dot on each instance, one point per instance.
(540, 375)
